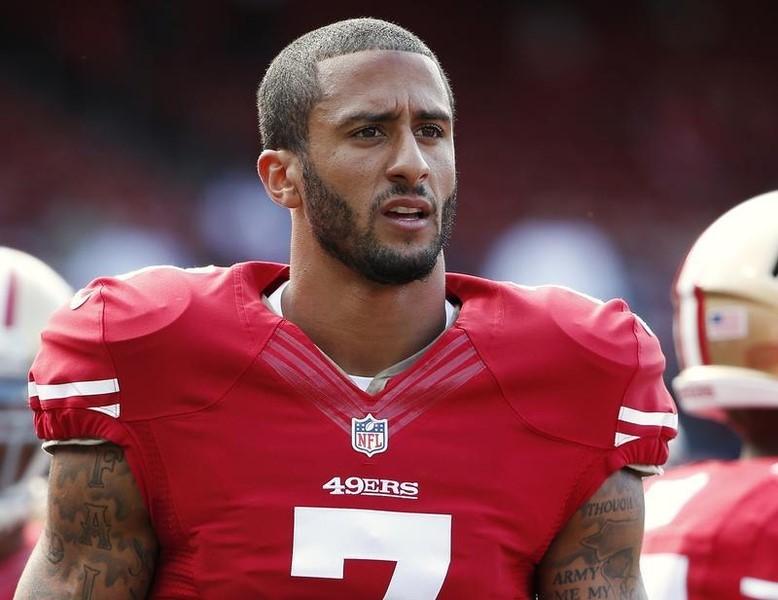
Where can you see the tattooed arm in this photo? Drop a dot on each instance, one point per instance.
(98, 541)
(596, 556)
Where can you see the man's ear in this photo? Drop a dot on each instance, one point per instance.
(281, 174)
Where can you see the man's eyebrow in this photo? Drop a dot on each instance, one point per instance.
(434, 115)
(366, 116)
(387, 116)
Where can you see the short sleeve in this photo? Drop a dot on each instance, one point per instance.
(594, 375)
(73, 373)
(647, 417)
(154, 343)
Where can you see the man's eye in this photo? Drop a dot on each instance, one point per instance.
(430, 131)
(368, 132)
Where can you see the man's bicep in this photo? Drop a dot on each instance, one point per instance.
(98, 541)
(597, 554)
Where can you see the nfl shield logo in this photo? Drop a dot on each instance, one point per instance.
(369, 436)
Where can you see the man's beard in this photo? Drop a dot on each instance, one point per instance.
(334, 224)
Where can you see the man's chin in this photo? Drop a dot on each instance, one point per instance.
(384, 263)
(398, 269)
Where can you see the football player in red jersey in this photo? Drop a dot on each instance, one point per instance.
(359, 424)
(712, 526)
(30, 291)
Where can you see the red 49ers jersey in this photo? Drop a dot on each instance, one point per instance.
(268, 473)
(712, 532)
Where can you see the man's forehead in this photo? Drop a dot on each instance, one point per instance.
(368, 75)
(375, 59)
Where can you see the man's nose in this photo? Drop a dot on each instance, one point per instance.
(408, 164)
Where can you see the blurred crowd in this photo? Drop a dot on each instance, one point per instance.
(595, 140)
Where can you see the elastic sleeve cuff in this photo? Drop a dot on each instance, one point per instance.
(644, 453)
(646, 470)
(49, 445)
(64, 425)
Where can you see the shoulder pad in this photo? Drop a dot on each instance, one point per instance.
(583, 370)
(152, 343)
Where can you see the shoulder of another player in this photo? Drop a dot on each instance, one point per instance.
(738, 477)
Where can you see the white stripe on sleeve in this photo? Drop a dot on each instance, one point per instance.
(760, 589)
(112, 410)
(623, 438)
(639, 417)
(56, 391)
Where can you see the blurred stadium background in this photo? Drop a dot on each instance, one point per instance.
(595, 139)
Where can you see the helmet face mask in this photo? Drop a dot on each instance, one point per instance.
(726, 314)
(30, 291)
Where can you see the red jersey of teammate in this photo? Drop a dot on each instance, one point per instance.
(712, 531)
(268, 473)
(11, 566)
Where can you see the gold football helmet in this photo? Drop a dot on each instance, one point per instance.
(726, 313)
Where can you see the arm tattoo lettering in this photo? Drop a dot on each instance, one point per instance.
(105, 460)
(90, 575)
(144, 560)
(597, 556)
(95, 525)
(55, 549)
(98, 542)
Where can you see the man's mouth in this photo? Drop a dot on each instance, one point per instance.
(407, 209)
(405, 212)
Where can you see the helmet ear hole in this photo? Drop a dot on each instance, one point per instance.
(775, 268)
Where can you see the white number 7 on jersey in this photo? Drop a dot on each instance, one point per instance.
(420, 543)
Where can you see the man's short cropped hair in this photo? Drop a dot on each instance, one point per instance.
(290, 88)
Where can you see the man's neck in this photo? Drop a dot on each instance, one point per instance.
(749, 450)
(756, 428)
(364, 327)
